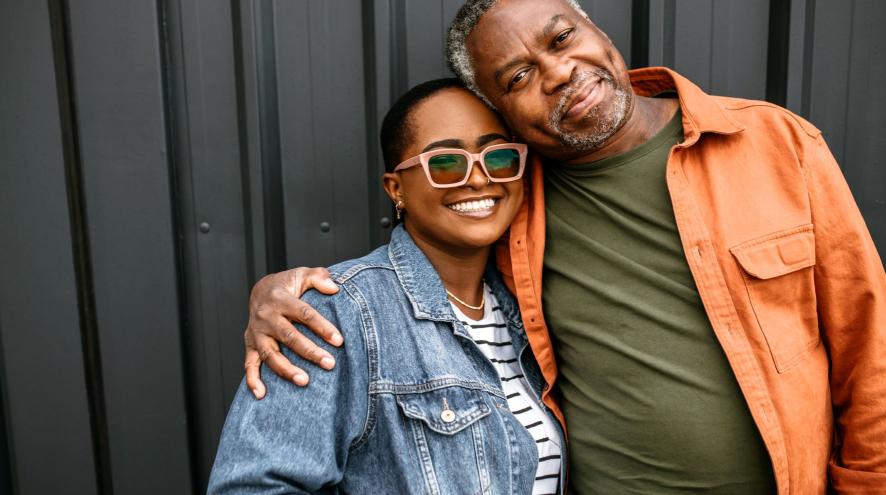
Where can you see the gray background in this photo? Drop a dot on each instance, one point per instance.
(125, 125)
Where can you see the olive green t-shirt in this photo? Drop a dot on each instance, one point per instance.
(651, 403)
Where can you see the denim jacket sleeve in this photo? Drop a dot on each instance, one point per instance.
(297, 440)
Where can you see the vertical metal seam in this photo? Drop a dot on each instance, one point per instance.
(640, 33)
(242, 134)
(711, 33)
(808, 60)
(370, 91)
(669, 34)
(777, 50)
(399, 54)
(6, 440)
(444, 28)
(59, 14)
(171, 128)
(318, 140)
(269, 132)
(848, 77)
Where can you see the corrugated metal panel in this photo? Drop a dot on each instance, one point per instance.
(122, 129)
(45, 400)
(720, 45)
(837, 87)
(615, 18)
(322, 123)
(213, 193)
(218, 141)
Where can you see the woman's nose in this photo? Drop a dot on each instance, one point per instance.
(478, 178)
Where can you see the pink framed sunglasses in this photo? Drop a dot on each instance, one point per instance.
(451, 167)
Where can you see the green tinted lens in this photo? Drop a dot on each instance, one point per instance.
(502, 163)
(448, 168)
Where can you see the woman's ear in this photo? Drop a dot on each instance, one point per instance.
(392, 182)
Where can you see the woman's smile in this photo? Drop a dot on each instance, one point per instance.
(478, 207)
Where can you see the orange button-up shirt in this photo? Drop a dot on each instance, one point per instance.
(788, 274)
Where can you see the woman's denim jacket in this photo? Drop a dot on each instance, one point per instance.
(375, 423)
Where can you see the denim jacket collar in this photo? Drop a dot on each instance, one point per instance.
(424, 288)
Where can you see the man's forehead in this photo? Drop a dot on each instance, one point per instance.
(526, 13)
(513, 24)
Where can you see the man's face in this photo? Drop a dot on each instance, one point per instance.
(558, 81)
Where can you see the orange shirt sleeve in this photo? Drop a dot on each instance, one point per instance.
(851, 291)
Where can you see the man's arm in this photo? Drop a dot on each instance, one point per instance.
(273, 304)
(850, 287)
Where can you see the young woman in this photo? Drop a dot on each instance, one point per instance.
(435, 390)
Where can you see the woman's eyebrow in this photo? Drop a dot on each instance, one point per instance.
(488, 138)
(445, 143)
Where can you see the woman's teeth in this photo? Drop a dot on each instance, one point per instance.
(471, 206)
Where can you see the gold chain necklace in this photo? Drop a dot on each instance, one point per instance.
(475, 308)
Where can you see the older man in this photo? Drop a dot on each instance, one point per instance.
(694, 265)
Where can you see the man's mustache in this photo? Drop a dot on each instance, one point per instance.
(577, 83)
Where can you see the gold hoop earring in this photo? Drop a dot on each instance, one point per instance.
(399, 207)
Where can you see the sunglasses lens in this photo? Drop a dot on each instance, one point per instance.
(503, 163)
(448, 168)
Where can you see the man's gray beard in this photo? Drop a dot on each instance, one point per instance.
(603, 126)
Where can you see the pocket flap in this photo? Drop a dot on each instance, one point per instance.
(777, 254)
(446, 410)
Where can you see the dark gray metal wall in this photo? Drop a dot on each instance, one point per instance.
(156, 158)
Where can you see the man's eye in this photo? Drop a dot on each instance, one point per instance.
(519, 76)
(562, 37)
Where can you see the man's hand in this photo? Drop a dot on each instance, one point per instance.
(273, 304)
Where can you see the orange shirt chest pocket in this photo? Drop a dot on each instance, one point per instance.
(779, 278)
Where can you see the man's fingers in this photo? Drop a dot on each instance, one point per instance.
(253, 377)
(280, 365)
(303, 346)
(301, 312)
(319, 279)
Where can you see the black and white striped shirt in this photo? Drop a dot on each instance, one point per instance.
(490, 333)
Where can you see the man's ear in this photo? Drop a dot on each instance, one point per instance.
(392, 182)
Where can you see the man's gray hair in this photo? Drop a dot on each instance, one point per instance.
(456, 50)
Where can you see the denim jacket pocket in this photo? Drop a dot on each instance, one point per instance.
(450, 438)
(447, 410)
(779, 278)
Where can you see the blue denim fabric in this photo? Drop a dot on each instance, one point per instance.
(374, 424)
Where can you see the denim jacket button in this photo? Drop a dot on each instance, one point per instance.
(447, 415)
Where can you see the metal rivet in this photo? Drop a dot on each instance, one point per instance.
(204, 227)
(324, 226)
(385, 222)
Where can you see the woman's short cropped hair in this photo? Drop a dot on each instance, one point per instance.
(396, 128)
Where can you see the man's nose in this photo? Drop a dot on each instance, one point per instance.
(556, 73)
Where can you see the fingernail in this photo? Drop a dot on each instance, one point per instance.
(259, 394)
(327, 363)
(300, 379)
(336, 339)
